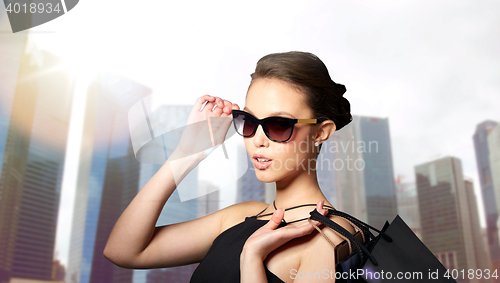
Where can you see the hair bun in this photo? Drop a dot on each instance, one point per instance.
(346, 104)
(340, 89)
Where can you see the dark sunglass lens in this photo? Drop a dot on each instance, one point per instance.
(244, 124)
(239, 121)
(279, 129)
(249, 126)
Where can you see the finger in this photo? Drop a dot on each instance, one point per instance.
(227, 107)
(296, 231)
(201, 100)
(320, 208)
(219, 106)
(226, 111)
(215, 107)
(209, 106)
(204, 98)
(218, 110)
(219, 102)
(276, 219)
(207, 101)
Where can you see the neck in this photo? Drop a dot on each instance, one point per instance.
(298, 189)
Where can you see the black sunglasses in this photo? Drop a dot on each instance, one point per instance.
(278, 129)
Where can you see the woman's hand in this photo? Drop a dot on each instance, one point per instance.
(200, 134)
(267, 238)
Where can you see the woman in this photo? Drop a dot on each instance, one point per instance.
(249, 241)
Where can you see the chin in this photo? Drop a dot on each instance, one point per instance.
(265, 176)
(265, 179)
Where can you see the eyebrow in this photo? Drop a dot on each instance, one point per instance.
(272, 114)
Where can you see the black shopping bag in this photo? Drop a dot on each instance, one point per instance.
(396, 254)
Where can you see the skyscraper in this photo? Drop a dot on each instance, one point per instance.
(480, 250)
(494, 158)
(363, 171)
(12, 52)
(108, 177)
(448, 214)
(33, 151)
(489, 192)
(406, 194)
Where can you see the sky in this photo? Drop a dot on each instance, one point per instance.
(431, 67)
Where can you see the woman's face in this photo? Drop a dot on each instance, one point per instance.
(273, 97)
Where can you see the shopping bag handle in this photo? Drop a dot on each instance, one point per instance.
(315, 215)
(363, 231)
(365, 227)
(328, 239)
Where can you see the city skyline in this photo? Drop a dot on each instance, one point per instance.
(431, 69)
(479, 197)
(358, 117)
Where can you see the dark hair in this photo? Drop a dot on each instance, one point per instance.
(310, 75)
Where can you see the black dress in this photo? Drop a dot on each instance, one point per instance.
(222, 262)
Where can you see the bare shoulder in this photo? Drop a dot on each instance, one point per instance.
(236, 213)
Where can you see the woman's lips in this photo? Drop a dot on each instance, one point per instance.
(261, 164)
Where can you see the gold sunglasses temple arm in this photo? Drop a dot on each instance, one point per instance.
(307, 121)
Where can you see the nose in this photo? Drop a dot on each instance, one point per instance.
(260, 138)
